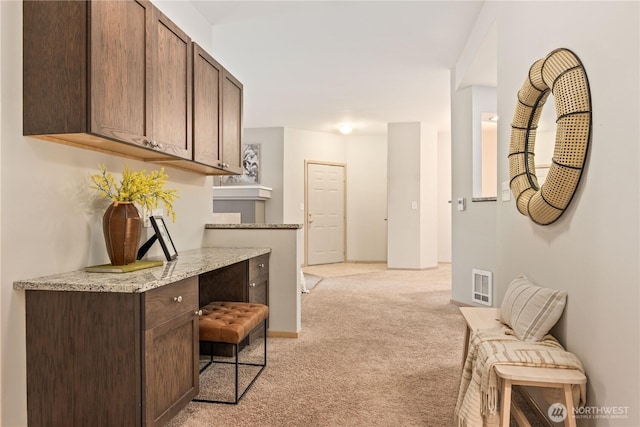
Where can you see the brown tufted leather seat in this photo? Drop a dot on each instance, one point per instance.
(230, 322)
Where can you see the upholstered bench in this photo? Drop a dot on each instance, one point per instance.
(483, 318)
(511, 345)
(230, 323)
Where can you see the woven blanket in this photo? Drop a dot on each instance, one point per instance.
(478, 395)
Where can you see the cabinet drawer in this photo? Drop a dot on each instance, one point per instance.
(258, 266)
(258, 291)
(164, 303)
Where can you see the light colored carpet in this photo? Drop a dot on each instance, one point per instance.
(382, 348)
(376, 349)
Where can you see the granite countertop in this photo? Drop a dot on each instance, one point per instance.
(188, 264)
(254, 226)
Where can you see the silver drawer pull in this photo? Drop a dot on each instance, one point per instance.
(153, 144)
(199, 313)
(261, 265)
(178, 298)
(252, 285)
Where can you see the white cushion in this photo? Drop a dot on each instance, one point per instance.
(530, 310)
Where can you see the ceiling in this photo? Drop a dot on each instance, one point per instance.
(315, 64)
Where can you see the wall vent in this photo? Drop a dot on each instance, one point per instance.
(482, 287)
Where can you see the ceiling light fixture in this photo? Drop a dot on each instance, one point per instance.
(345, 128)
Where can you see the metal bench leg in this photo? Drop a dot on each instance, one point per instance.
(237, 364)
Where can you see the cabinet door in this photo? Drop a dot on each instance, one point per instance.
(118, 70)
(170, 349)
(231, 134)
(171, 367)
(171, 88)
(207, 80)
(83, 358)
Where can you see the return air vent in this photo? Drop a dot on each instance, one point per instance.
(482, 287)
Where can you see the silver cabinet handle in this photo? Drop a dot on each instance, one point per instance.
(199, 313)
(178, 298)
(261, 265)
(153, 144)
(252, 285)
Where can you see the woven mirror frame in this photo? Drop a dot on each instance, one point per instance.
(562, 74)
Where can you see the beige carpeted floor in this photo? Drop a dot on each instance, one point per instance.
(377, 348)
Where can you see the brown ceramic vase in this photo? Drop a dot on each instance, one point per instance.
(121, 225)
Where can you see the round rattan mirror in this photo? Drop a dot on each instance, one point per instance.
(561, 73)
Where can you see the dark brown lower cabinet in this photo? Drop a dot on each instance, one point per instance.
(125, 359)
(107, 358)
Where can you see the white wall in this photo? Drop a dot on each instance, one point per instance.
(444, 197)
(1, 305)
(412, 173)
(592, 251)
(49, 222)
(365, 157)
(271, 142)
(367, 198)
(474, 229)
(284, 151)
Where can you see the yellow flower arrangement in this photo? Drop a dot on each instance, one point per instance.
(144, 190)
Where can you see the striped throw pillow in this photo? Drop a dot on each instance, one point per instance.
(530, 310)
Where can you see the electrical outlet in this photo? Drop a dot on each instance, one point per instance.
(145, 218)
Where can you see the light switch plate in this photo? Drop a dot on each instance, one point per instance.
(506, 191)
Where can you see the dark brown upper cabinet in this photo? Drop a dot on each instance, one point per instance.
(207, 99)
(231, 133)
(217, 114)
(116, 77)
(171, 71)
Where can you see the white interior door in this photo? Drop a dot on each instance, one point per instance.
(325, 213)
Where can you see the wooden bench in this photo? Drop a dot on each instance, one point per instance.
(478, 318)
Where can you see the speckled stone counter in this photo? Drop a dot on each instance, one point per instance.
(188, 264)
(253, 226)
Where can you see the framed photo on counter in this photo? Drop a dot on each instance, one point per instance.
(162, 233)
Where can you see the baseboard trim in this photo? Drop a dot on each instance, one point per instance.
(361, 261)
(460, 303)
(281, 334)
